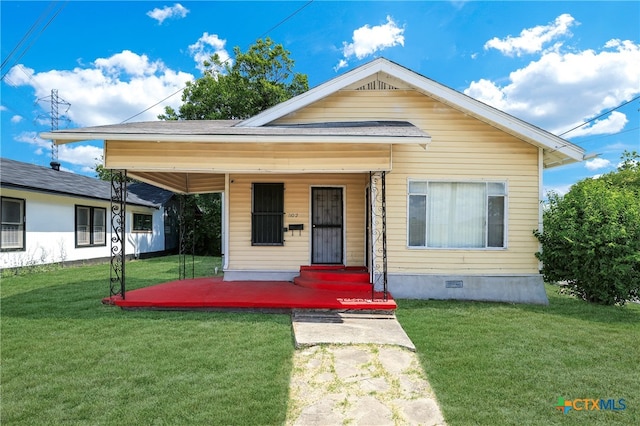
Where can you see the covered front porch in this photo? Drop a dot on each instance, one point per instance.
(294, 194)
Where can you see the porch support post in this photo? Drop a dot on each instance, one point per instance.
(118, 232)
(182, 239)
(187, 229)
(377, 185)
(384, 235)
(371, 235)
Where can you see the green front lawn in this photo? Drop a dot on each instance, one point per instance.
(67, 359)
(499, 364)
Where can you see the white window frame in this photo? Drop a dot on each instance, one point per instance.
(21, 226)
(91, 227)
(505, 238)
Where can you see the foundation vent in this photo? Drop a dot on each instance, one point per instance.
(453, 284)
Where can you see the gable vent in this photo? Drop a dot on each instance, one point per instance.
(377, 85)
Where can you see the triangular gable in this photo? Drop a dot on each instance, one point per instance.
(382, 74)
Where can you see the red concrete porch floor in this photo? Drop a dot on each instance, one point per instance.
(214, 293)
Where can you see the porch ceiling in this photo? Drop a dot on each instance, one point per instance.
(182, 183)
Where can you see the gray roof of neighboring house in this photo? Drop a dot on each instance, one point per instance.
(149, 192)
(18, 175)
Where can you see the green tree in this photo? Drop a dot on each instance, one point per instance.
(591, 237)
(257, 79)
(202, 225)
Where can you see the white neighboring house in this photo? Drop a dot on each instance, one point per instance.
(53, 216)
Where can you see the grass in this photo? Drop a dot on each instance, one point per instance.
(67, 359)
(491, 363)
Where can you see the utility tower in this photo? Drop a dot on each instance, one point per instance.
(54, 115)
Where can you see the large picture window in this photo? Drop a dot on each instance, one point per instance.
(12, 233)
(91, 226)
(457, 214)
(267, 214)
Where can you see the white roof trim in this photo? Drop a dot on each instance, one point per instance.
(460, 101)
(356, 169)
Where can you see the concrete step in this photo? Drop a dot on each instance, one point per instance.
(355, 275)
(323, 284)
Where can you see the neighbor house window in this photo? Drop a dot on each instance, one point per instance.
(13, 230)
(90, 226)
(142, 222)
(267, 214)
(457, 214)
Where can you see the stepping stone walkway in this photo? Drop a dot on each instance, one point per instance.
(357, 383)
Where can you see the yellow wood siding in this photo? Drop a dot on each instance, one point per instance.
(462, 148)
(296, 249)
(245, 157)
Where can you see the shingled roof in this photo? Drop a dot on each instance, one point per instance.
(18, 175)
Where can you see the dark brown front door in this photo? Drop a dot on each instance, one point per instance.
(327, 224)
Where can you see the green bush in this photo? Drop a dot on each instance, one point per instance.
(591, 238)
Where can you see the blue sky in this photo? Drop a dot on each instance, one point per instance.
(553, 64)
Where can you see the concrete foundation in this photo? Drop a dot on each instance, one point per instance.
(526, 288)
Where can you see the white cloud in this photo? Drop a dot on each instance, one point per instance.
(532, 40)
(614, 123)
(205, 47)
(32, 139)
(368, 40)
(83, 156)
(560, 90)
(597, 164)
(16, 119)
(110, 90)
(127, 62)
(341, 64)
(80, 155)
(175, 11)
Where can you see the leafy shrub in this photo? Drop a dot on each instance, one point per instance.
(591, 237)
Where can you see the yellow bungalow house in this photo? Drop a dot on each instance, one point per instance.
(435, 193)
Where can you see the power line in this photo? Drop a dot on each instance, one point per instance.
(226, 60)
(600, 116)
(609, 135)
(29, 76)
(589, 121)
(27, 34)
(32, 41)
(156, 104)
(286, 19)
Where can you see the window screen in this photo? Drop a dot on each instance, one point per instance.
(267, 216)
